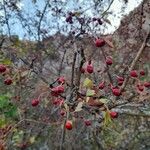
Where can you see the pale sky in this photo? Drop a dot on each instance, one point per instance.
(116, 8)
(72, 4)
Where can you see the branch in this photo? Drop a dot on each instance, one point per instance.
(80, 67)
(73, 69)
(136, 59)
(41, 18)
(107, 68)
(103, 14)
(6, 18)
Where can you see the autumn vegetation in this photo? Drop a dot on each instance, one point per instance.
(77, 88)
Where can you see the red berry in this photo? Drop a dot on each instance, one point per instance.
(2, 68)
(142, 72)
(62, 112)
(60, 89)
(140, 87)
(82, 70)
(54, 92)
(8, 81)
(113, 114)
(87, 122)
(102, 85)
(89, 68)
(61, 80)
(68, 125)
(116, 91)
(109, 61)
(35, 102)
(99, 42)
(147, 84)
(134, 74)
(120, 83)
(58, 101)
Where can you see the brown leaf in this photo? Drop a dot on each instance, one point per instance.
(110, 44)
(95, 102)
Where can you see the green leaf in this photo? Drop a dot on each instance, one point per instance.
(4, 101)
(90, 92)
(3, 122)
(11, 112)
(88, 83)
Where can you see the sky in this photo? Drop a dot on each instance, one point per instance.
(116, 6)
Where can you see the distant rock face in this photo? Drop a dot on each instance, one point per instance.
(127, 40)
(133, 28)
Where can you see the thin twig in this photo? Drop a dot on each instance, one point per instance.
(80, 67)
(107, 68)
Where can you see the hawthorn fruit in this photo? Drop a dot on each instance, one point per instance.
(134, 74)
(88, 122)
(142, 72)
(2, 68)
(99, 42)
(109, 61)
(113, 114)
(89, 68)
(35, 102)
(101, 85)
(116, 91)
(8, 81)
(68, 125)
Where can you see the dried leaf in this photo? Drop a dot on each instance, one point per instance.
(32, 139)
(94, 102)
(87, 99)
(79, 107)
(110, 44)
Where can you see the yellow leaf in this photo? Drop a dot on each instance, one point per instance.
(32, 139)
(104, 100)
(87, 83)
(6, 61)
(107, 118)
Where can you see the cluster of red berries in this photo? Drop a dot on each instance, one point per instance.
(8, 80)
(55, 91)
(140, 86)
